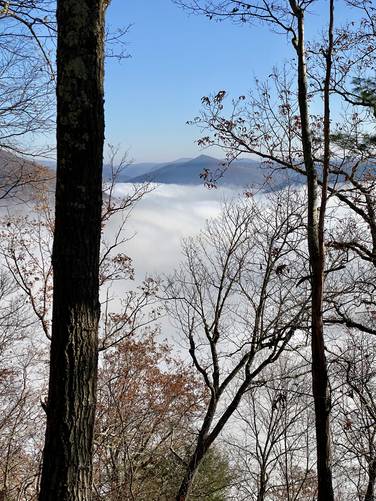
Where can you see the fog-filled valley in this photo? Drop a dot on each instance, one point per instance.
(181, 266)
(188, 250)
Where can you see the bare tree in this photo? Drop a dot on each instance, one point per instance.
(355, 414)
(21, 414)
(26, 73)
(278, 128)
(273, 443)
(26, 247)
(26, 94)
(237, 304)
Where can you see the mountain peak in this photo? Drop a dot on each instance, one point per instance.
(205, 158)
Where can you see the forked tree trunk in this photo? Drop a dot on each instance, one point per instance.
(320, 380)
(67, 456)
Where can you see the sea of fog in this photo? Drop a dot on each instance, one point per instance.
(162, 218)
(159, 222)
(155, 229)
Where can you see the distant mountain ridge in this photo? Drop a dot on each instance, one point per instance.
(204, 168)
(196, 171)
(134, 170)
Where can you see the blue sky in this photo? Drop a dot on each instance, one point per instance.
(176, 59)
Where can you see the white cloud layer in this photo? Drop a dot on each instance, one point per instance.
(165, 216)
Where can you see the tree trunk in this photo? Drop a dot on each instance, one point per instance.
(192, 468)
(370, 493)
(263, 483)
(67, 456)
(320, 381)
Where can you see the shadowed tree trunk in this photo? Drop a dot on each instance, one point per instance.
(67, 470)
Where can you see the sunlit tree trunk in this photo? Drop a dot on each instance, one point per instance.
(316, 216)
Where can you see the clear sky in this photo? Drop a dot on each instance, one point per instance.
(177, 58)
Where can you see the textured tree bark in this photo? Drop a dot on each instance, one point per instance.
(67, 457)
(316, 214)
(370, 493)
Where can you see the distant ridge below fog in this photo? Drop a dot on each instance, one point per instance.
(188, 172)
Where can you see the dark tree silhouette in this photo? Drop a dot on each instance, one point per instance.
(67, 462)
